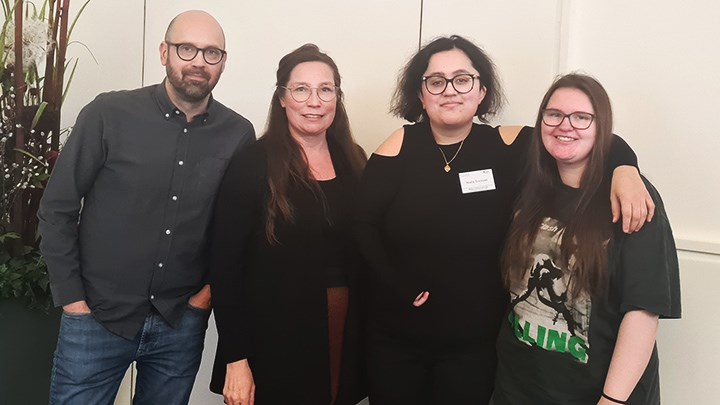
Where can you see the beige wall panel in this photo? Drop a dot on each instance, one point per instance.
(520, 36)
(688, 347)
(659, 61)
(111, 31)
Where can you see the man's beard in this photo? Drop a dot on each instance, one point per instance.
(187, 89)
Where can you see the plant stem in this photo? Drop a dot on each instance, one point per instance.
(60, 72)
(17, 222)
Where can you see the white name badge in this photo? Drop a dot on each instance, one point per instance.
(479, 180)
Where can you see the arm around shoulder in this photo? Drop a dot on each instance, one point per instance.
(650, 270)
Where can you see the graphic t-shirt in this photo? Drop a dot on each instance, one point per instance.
(555, 347)
(543, 311)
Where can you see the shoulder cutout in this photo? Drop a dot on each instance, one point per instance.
(392, 145)
(509, 133)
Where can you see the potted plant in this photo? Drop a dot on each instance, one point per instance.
(33, 41)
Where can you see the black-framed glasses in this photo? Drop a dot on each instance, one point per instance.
(188, 52)
(301, 94)
(462, 83)
(578, 119)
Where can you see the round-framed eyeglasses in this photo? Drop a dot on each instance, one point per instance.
(188, 52)
(462, 83)
(578, 119)
(301, 94)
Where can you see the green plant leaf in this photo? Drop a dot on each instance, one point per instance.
(27, 10)
(43, 10)
(24, 276)
(6, 9)
(69, 80)
(9, 235)
(77, 16)
(31, 156)
(38, 114)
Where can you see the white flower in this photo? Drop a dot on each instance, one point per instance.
(35, 40)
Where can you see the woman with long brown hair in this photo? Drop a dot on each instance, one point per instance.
(282, 261)
(585, 297)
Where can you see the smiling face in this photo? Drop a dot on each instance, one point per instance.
(569, 146)
(192, 81)
(450, 109)
(311, 117)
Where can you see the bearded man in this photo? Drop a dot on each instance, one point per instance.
(124, 223)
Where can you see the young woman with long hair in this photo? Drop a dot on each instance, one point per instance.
(585, 297)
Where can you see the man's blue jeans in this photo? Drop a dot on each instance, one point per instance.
(90, 361)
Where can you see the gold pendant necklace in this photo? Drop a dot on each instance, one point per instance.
(447, 162)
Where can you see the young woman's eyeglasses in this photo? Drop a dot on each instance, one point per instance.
(577, 119)
(463, 83)
(302, 94)
(188, 52)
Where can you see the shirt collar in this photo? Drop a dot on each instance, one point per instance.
(168, 109)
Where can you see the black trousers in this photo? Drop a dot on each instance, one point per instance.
(439, 373)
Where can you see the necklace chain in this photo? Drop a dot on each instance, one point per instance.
(447, 162)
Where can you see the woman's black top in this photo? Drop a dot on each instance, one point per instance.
(421, 228)
(270, 301)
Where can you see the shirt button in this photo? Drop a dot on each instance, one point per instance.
(160, 264)
(181, 163)
(185, 130)
(167, 232)
(174, 198)
(167, 115)
(177, 112)
(152, 297)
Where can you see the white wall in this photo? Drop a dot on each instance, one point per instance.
(688, 347)
(107, 42)
(521, 37)
(658, 60)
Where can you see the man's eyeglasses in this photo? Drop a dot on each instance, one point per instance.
(302, 94)
(463, 83)
(578, 119)
(188, 52)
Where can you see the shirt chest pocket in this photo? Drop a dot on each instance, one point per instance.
(205, 175)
